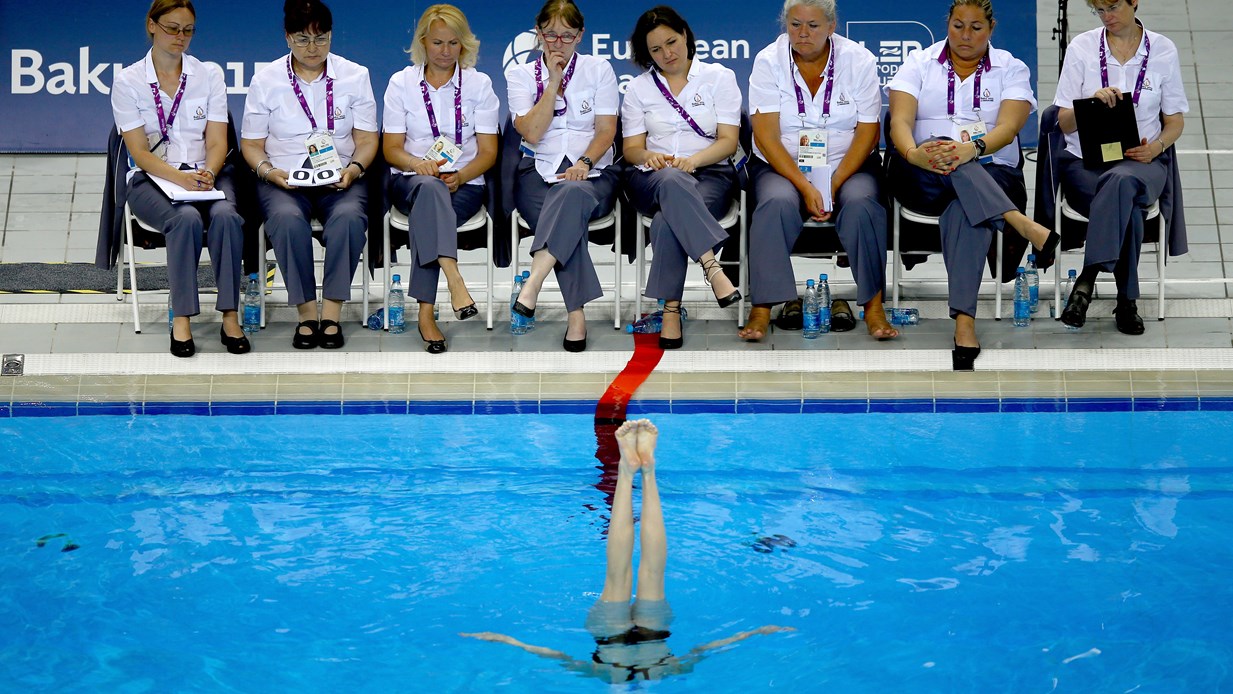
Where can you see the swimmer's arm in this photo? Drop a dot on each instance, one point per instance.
(698, 651)
(502, 638)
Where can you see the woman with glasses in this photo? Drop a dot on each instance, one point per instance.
(963, 84)
(815, 107)
(312, 98)
(564, 106)
(440, 103)
(1120, 60)
(681, 120)
(172, 112)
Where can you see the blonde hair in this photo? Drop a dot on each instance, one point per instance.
(455, 21)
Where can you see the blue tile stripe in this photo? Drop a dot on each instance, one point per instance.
(636, 407)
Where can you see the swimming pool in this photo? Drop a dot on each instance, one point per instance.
(933, 552)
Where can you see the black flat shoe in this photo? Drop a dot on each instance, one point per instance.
(466, 312)
(523, 310)
(235, 345)
(183, 348)
(330, 340)
(432, 346)
(1128, 320)
(672, 342)
(964, 358)
(1075, 313)
(574, 345)
(310, 340)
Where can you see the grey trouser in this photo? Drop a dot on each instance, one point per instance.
(860, 221)
(559, 215)
(183, 226)
(1113, 200)
(343, 215)
(433, 216)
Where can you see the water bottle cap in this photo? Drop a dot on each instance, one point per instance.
(1071, 273)
(397, 278)
(1020, 271)
(629, 328)
(808, 283)
(252, 276)
(526, 274)
(1032, 256)
(822, 277)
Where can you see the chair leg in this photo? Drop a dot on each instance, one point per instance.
(639, 259)
(365, 281)
(132, 277)
(896, 257)
(488, 267)
(997, 280)
(743, 266)
(385, 275)
(1162, 252)
(263, 268)
(616, 269)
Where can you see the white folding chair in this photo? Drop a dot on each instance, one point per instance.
(397, 220)
(735, 217)
(897, 280)
(612, 219)
(317, 227)
(1063, 210)
(130, 222)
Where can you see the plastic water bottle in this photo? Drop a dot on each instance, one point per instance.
(903, 316)
(824, 304)
(397, 302)
(171, 316)
(811, 314)
(650, 323)
(518, 323)
(1023, 302)
(252, 305)
(1071, 277)
(526, 275)
(1033, 282)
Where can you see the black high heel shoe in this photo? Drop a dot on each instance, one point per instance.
(235, 345)
(1075, 313)
(672, 342)
(466, 312)
(709, 268)
(432, 346)
(964, 358)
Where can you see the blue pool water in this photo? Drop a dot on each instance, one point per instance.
(987, 552)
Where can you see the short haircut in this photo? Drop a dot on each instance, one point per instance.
(1096, 4)
(455, 21)
(564, 10)
(158, 8)
(827, 7)
(661, 16)
(302, 15)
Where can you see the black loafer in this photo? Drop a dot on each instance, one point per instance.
(1075, 313)
(330, 340)
(964, 358)
(1127, 318)
(235, 345)
(574, 345)
(301, 340)
(432, 346)
(183, 348)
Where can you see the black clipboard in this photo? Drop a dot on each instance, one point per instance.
(1106, 133)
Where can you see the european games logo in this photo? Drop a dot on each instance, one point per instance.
(519, 51)
(890, 42)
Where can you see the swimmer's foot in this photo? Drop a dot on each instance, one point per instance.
(648, 436)
(627, 442)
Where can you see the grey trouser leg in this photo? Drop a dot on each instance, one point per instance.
(345, 220)
(967, 226)
(1114, 200)
(773, 229)
(183, 226)
(684, 225)
(433, 215)
(559, 215)
(861, 225)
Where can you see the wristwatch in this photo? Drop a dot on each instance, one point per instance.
(980, 148)
(587, 160)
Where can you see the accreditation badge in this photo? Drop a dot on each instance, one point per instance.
(158, 146)
(445, 153)
(811, 149)
(321, 152)
(970, 131)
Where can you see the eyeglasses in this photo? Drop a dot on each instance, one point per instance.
(302, 40)
(188, 31)
(553, 37)
(1103, 11)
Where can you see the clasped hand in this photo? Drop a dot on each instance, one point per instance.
(942, 156)
(197, 180)
(659, 160)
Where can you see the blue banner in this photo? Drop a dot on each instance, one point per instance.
(60, 68)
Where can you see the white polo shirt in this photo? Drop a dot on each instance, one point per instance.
(854, 98)
(405, 112)
(710, 97)
(204, 100)
(273, 112)
(923, 75)
(1163, 91)
(592, 91)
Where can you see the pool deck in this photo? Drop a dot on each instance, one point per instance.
(81, 353)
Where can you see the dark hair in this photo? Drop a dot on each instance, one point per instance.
(661, 16)
(564, 10)
(302, 15)
(984, 6)
(158, 8)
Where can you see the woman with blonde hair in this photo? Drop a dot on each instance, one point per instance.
(440, 105)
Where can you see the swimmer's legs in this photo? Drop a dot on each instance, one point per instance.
(618, 581)
(653, 538)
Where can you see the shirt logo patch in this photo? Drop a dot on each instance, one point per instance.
(199, 114)
(338, 113)
(986, 96)
(843, 99)
(1147, 84)
(698, 101)
(586, 108)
